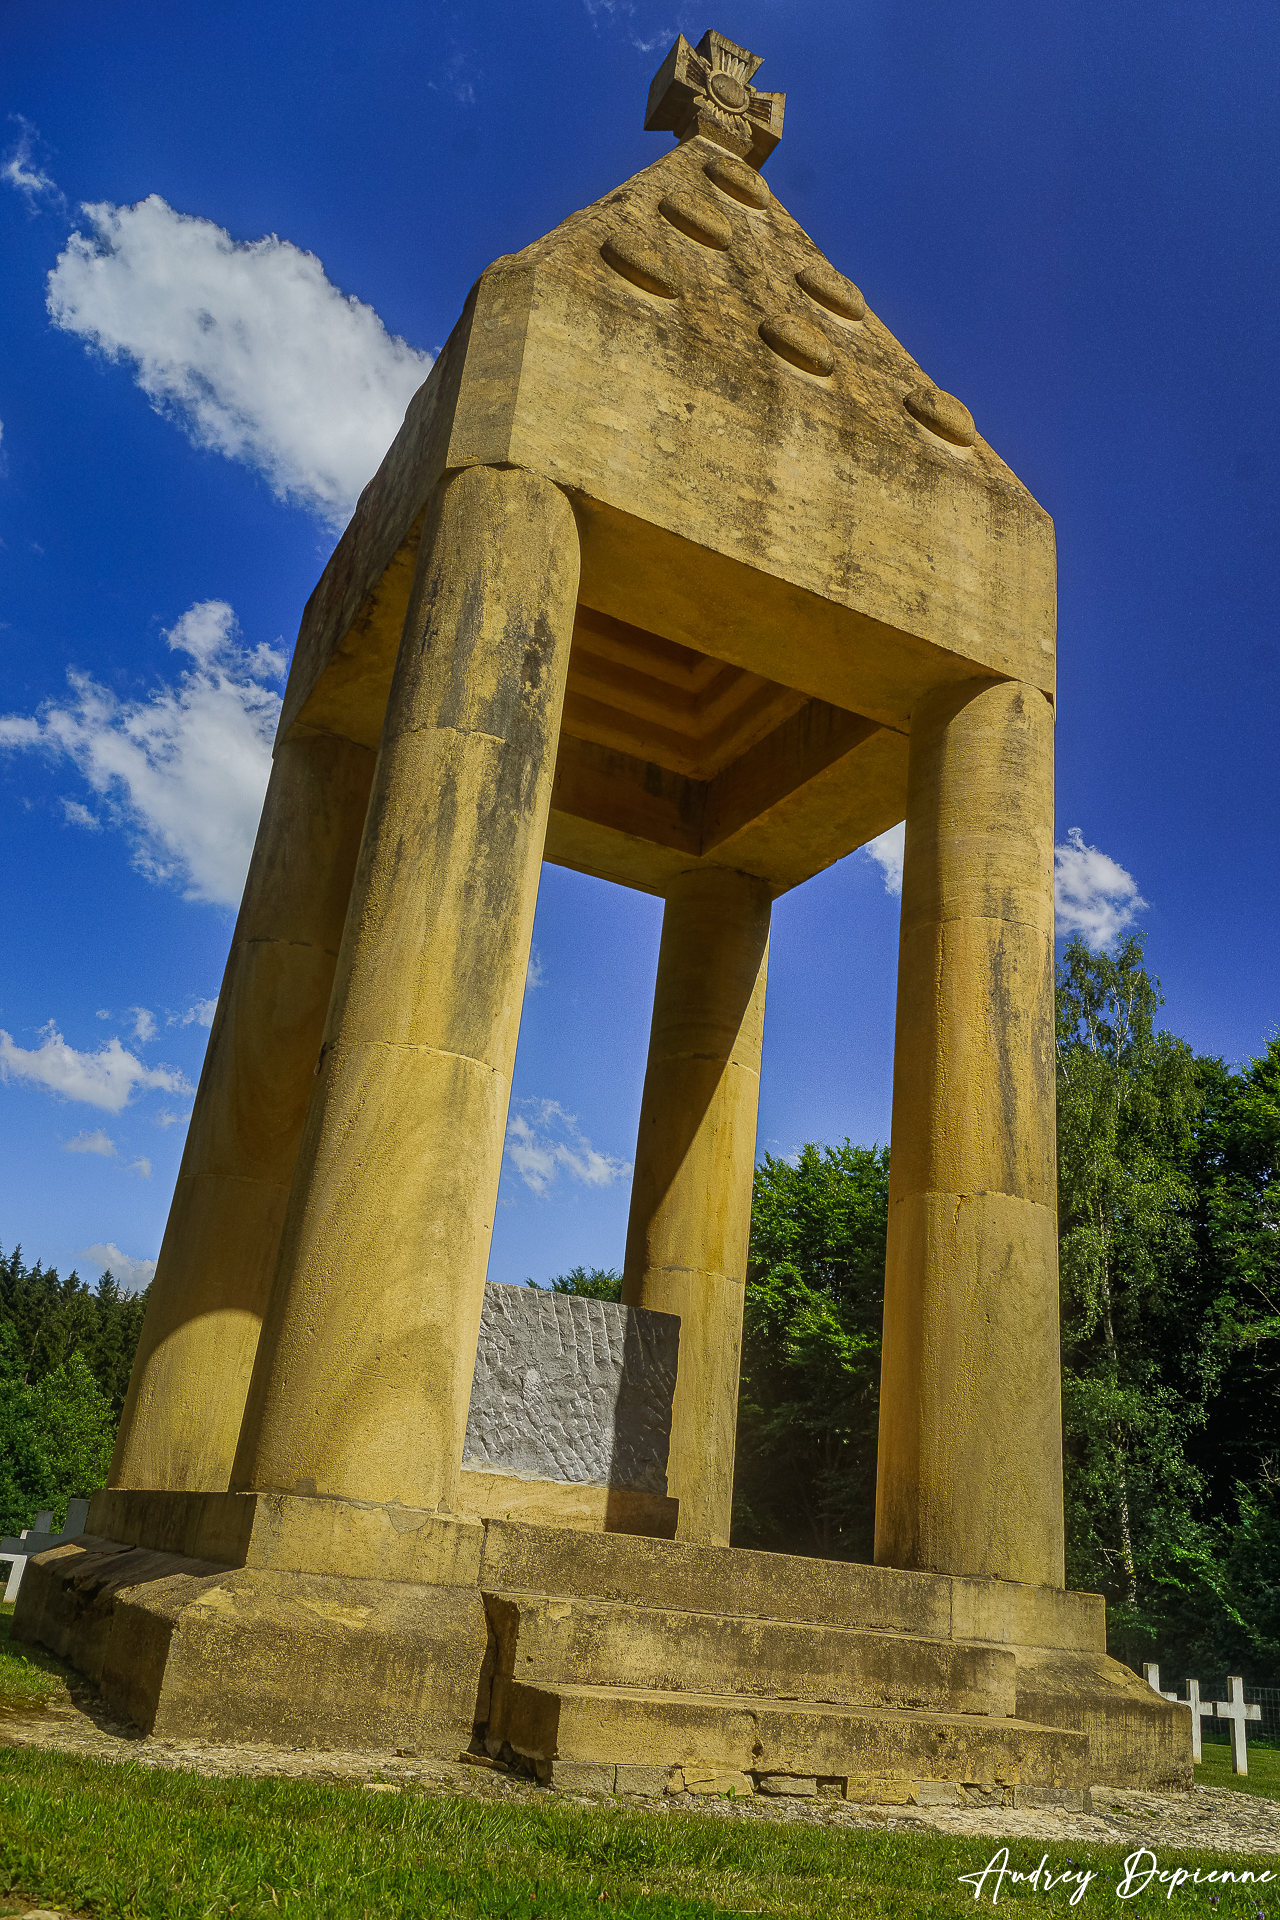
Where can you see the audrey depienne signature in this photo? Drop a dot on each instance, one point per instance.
(1142, 1871)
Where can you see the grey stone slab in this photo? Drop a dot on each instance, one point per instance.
(639, 1779)
(572, 1389)
(578, 1776)
(1058, 1799)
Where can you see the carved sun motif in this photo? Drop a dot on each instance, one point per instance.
(724, 82)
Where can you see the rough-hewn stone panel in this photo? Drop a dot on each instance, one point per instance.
(572, 1389)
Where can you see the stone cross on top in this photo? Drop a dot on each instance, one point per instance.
(707, 89)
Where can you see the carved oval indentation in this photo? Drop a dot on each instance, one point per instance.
(795, 340)
(831, 290)
(640, 263)
(696, 218)
(943, 414)
(738, 180)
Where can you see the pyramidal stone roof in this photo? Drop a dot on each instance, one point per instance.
(759, 469)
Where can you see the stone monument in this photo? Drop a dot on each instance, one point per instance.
(681, 573)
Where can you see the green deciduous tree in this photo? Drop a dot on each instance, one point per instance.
(809, 1396)
(1237, 1225)
(56, 1435)
(1128, 1097)
(589, 1283)
(65, 1354)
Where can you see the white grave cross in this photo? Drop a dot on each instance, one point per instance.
(19, 1548)
(1200, 1709)
(1234, 1709)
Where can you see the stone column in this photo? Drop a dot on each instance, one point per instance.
(970, 1468)
(365, 1364)
(187, 1390)
(695, 1158)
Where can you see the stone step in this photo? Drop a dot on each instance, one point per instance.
(735, 1580)
(857, 1746)
(548, 1639)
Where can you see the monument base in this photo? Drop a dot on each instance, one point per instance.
(593, 1657)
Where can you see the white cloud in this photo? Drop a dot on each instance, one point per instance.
(200, 1013)
(622, 13)
(550, 1142)
(454, 78)
(108, 1078)
(144, 1025)
(247, 345)
(21, 170)
(95, 1142)
(80, 816)
(141, 1166)
(183, 772)
(886, 851)
(166, 1119)
(536, 976)
(133, 1275)
(1095, 896)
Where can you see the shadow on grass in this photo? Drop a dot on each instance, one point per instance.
(27, 1674)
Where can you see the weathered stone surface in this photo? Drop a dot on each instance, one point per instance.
(572, 1777)
(363, 1373)
(697, 217)
(572, 1389)
(831, 290)
(187, 1647)
(187, 1390)
(710, 1780)
(616, 1644)
(647, 1780)
(276, 1559)
(795, 340)
(706, 90)
(566, 1503)
(695, 1160)
(969, 1477)
(641, 263)
(780, 1736)
(1134, 1733)
(296, 1533)
(739, 181)
(943, 414)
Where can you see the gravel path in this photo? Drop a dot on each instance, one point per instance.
(1208, 1818)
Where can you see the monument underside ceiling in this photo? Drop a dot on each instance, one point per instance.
(668, 755)
(665, 703)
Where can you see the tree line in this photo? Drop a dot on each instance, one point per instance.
(65, 1353)
(1169, 1221)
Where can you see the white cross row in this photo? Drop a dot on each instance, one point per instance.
(1233, 1708)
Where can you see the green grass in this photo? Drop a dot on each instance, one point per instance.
(123, 1842)
(26, 1674)
(1262, 1778)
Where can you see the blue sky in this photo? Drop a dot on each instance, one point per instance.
(1068, 215)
